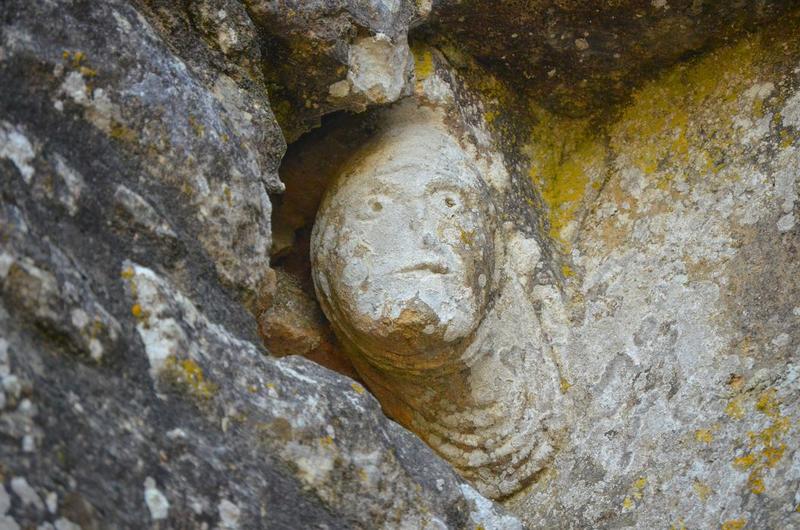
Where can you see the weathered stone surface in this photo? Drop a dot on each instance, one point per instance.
(331, 55)
(118, 90)
(577, 56)
(639, 330)
(134, 232)
(200, 426)
(434, 301)
(678, 218)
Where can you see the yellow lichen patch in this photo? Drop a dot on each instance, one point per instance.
(565, 385)
(136, 310)
(187, 374)
(127, 274)
(704, 436)
(656, 130)
(702, 490)
(423, 61)
(734, 408)
(767, 403)
(326, 441)
(771, 455)
(467, 237)
(766, 447)
(199, 128)
(636, 491)
(122, 133)
(358, 388)
(638, 486)
(567, 161)
(744, 462)
(627, 504)
(733, 524)
(756, 483)
(87, 72)
(679, 525)
(77, 58)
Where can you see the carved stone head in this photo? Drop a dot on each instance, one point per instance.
(435, 304)
(403, 250)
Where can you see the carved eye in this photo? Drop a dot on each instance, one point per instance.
(372, 207)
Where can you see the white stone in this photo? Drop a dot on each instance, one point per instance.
(12, 386)
(156, 502)
(791, 111)
(15, 146)
(786, 222)
(8, 523)
(73, 182)
(65, 524)
(27, 495)
(378, 66)
(51, 500)
(229, 514)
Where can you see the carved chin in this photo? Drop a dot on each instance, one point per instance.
(417, 329)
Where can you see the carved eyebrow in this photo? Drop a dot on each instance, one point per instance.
(446, 185)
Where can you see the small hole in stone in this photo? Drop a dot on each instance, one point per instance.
(376, 206)
(449, 202)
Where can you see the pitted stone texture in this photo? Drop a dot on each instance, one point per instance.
(405, 244)
(435, 303)
(194, 131)
(684, 357)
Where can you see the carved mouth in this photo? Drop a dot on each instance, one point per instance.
(435, 267)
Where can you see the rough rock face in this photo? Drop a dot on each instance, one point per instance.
(134, 232)
(209, 141)
(641, 162)
(679, 216)
(575, 56)
(332, 55)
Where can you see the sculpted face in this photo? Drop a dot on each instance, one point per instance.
(403, 259)
(403, 250)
